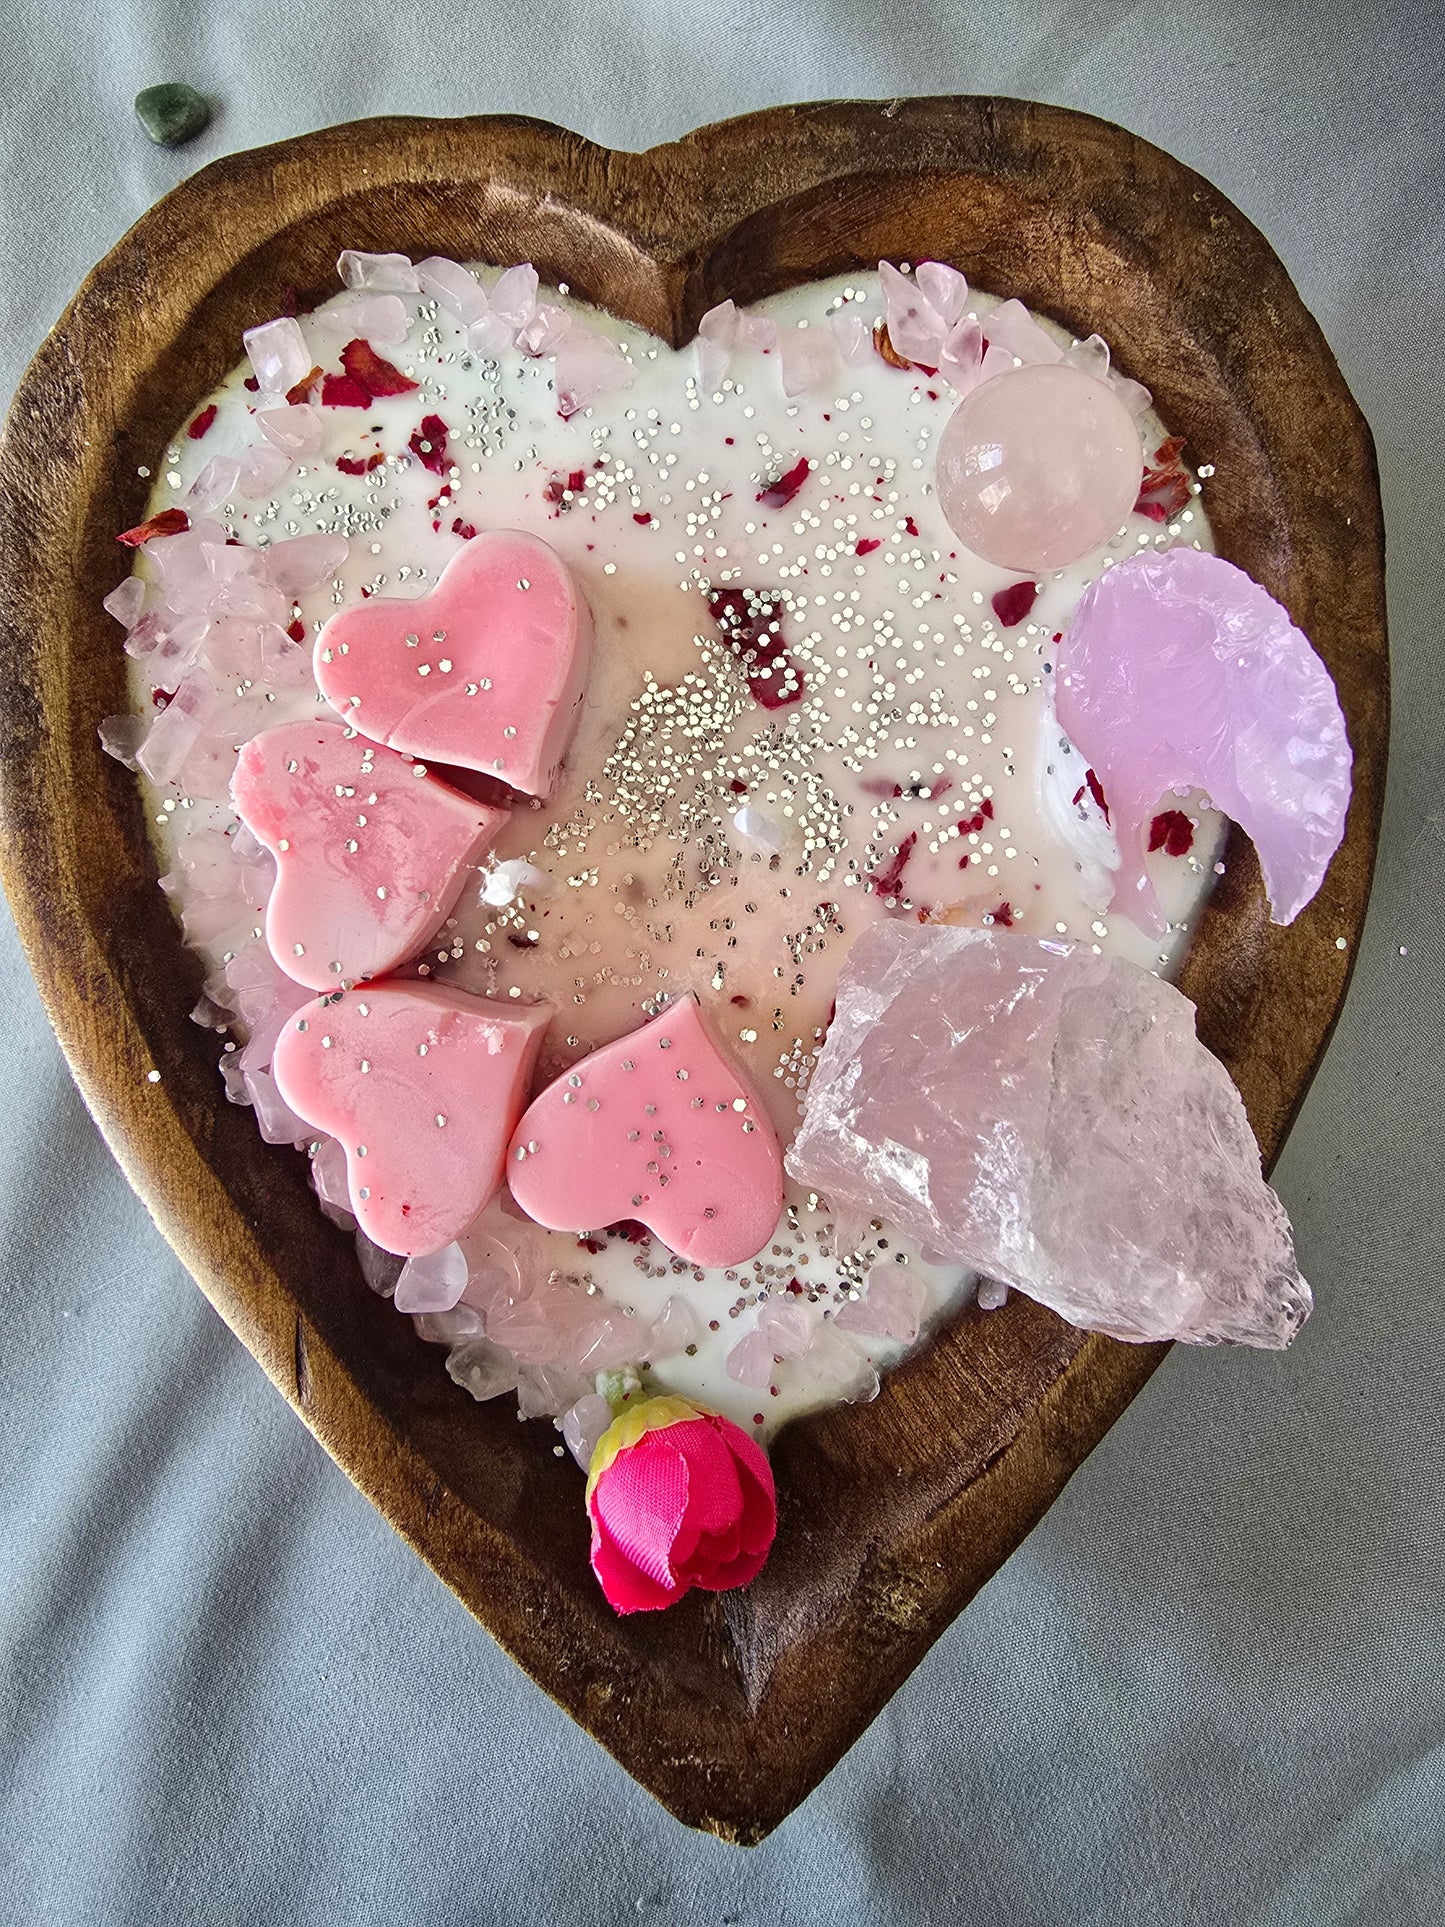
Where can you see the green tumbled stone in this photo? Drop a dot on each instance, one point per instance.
(172, 113)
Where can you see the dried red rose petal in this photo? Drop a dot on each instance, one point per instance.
(867, 544)
(1172, 832)
(202, 422)
(1012, 605)
(1096, 790)
(429, 444)
(560, 487)
(885, 883)
(300, 391)
(168, 522)
(1165, 488)
(1003, 915)
(376, 376)
(466, 530)
(354, 465)
(751, 625)
(780, 493)
(340, 391)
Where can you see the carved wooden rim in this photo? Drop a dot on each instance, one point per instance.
(728, 1708)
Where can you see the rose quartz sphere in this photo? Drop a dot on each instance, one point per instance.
(1038, 467)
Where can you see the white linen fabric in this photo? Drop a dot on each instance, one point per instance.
(1210, 1687)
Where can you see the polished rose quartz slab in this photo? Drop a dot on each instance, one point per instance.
(659, 1127)
(1049, 1118)
(487, 672)
(371, 851)
(421, 1086)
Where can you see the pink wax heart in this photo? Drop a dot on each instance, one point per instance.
(487, 672)
(422, 1086)
(659, 1127)
(371, 852)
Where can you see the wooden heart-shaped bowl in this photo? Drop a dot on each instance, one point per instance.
(729, 1707)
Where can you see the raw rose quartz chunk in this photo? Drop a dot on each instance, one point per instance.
(659, 1127)
(371, 852)
(1049, 1118)
(422, 1086)
(1180, 671)
(487, 672)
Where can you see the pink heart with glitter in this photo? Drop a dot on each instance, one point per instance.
(421, 1085)
(659, 1127)
(371, 852)
(486, 673)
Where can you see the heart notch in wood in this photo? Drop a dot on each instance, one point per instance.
(729, 1707)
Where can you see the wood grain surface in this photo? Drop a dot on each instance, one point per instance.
(731, 1707)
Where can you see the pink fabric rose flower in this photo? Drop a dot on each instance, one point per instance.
(678, 1498)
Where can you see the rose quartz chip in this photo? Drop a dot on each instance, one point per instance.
(432, 1281)
(278, 355)
(304, 561)
(836, 1369)
(263, 469)
(659, 1127)
(809, 358)
(544, 331)
(750, 1361)
(587, 366)
(1048, 1117)
(514, 296)
(1013, 329)
(855, 343)
(126, 601)
(422, 1086)
(583, 1424)
(377, 318)
(486, 673)
(717, 337)
(1038, 467)
(295, 430)
(215, 482)
(383, 273)
(371, 852)
(891, 1306)
(916, 327)
(1180, 671)
(453, 287)
(672, 1331)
